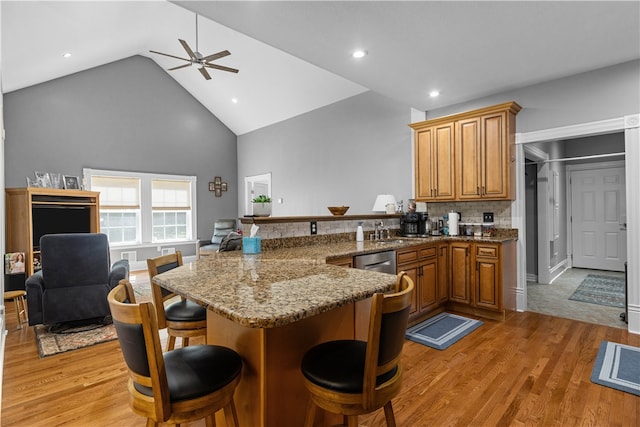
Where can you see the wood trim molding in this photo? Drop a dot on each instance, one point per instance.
(572, 131)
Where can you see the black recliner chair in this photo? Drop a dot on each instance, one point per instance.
(75, 279)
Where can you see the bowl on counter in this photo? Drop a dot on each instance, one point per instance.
(338, 210)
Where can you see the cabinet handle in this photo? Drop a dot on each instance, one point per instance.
(484, 193)
(478, 190)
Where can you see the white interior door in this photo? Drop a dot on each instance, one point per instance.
(598, 206)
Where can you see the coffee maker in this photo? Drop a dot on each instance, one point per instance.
(424, 225)
(410, 224)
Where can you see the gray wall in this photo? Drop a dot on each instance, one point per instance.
(343, 154)
(606, 93)
(127, 115)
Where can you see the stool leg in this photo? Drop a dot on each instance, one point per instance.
(23, 311)
(17, 304)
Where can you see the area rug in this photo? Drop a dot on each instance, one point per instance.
(57, 340)
(600, 289)
(617, 366)
(442, 331)
(50, 343)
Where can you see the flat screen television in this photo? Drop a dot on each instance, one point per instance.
(55, 219)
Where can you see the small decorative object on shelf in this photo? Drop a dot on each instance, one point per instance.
(261, 205)
(338, 210)
(71, 182)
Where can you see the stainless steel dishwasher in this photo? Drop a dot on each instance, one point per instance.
(384, 262)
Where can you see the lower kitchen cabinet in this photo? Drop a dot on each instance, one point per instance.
(487, 283)
(460, 261)
(483, 278)
(443, 273)
(421, 264)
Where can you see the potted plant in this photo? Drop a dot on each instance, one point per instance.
(261, 205)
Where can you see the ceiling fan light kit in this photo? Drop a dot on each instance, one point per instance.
(197, 59)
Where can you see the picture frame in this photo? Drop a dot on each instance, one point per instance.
(43, 179)
(212, 186)
(223, 186)
(217, 181)
(71, 182)
(218, 192)
(14, 263)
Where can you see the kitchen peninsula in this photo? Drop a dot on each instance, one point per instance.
(273, 306)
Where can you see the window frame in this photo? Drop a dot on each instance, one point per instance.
(146, 208)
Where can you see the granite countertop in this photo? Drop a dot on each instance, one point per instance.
(266, 291)
(328, 251)
(284, 285)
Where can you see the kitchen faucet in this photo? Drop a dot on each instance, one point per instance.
(377, 229)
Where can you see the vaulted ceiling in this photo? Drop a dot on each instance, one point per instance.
(295, 56)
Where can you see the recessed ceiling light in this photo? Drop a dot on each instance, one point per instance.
(359, 54)
(434, 93)
(234, 100)
(66, 54)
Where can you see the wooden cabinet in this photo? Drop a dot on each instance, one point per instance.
(443, 272)
(488, 280)
(460, 261)
(342, 261)
(483, 278)
(480, 146)
(434, 163)
(484, 157)
(32, 212)
(421, 264)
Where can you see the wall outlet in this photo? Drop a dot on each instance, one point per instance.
(487, 217)
(314, 227)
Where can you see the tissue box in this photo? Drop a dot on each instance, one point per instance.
(251, 245)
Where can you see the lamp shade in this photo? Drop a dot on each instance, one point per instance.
(382, 200)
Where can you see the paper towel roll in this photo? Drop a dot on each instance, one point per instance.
(453, 223)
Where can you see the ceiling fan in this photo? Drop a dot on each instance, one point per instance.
(197, 59)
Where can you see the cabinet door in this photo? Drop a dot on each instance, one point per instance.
(443, 272)
(487, 284)
(496, 157)
(412, 271)
(434, 163)
(423, 165)
(459, 259)
(468, 158)
(428, 284)
(443, 168)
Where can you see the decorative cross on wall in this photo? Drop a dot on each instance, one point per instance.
(218, 186)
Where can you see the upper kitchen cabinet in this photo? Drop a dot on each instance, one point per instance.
(434, 147)
(481, 155)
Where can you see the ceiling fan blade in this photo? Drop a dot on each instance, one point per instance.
(179, 66)
(222, 68)
(204, 73)
(215, 56)
(170, 56)
(188, 49)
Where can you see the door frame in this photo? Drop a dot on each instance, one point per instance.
(631, 126)
(543, 212)
(583, 167)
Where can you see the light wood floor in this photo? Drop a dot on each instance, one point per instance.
(530, 370)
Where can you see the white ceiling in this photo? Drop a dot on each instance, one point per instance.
(294, 56)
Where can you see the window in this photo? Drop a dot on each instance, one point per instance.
(171, 205)
(138, 208)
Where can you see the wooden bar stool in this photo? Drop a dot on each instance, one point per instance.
(21, 307)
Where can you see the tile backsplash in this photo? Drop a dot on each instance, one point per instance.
(472, 211)
(298, 229)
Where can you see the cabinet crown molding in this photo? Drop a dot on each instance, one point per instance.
(511, 107)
